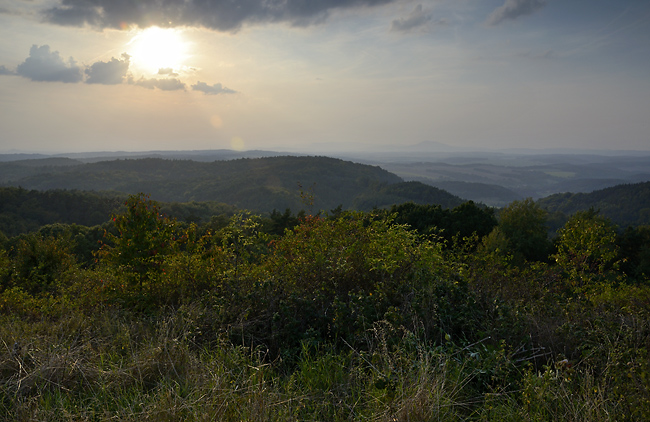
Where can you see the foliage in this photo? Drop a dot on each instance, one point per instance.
(634, 248)
(460, 222)
(523, 225)
(280, 222)
(23, 210)
(242, 240)
(351, 316)
(587, 248)
(38, 263)
(329, 280)
(144, 238)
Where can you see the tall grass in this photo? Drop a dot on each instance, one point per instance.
(115, 366)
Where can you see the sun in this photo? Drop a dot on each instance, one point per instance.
(154, 48)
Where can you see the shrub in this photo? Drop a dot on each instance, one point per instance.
(587, 250)
(144, 238)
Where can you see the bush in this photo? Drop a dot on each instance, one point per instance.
(144, 238)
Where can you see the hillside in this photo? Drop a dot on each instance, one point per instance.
(260, 184)
(626, 205)
(23, 211)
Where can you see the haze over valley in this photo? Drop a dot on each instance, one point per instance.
(491, 177)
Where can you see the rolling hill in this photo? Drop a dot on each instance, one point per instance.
(256, 184)
(626, 204)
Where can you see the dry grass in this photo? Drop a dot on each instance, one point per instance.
(113, 367)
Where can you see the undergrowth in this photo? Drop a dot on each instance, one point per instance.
(354, 318)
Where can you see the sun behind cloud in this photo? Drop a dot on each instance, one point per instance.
(156, 48)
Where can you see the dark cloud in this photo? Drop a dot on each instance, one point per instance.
(212, 89)
(512, 9)
(43, 65)
(5, 71)
(222, 15)
(171, 84)
(112, 72)
(417, 19)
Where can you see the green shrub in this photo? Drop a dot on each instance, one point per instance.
(144, 238)
(38, 262)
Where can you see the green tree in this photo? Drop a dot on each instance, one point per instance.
(279, 222)
(39, 261)
(242, 240)
(587, 248)
(634, 245)
(144, 238)
(468, 218)
(425, 219)
(460, 222)
(5, 269)
(3, 240)
(523, 224)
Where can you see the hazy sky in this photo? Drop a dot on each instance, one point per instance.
(91, 75)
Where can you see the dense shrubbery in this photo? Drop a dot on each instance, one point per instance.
(415, 313)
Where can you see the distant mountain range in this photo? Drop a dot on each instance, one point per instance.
(497, 180)
(194, 155)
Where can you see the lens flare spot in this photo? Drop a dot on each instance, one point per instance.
(216, 122)
(237, 143)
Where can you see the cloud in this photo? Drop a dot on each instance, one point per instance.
(222, 15)
(112, 72)
(5, 71)
(167, 71)
(418, 18)
(544, 55)
(512, 9)
(171, 84)
(43, 65)
(212, 90)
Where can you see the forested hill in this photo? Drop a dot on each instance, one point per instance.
(260, 184)
(626, 205)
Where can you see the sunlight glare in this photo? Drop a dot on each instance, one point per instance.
(156, 48)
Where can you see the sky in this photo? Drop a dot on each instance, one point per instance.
(142, 75)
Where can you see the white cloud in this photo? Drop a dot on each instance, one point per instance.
(43, 65)
(512, 9)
